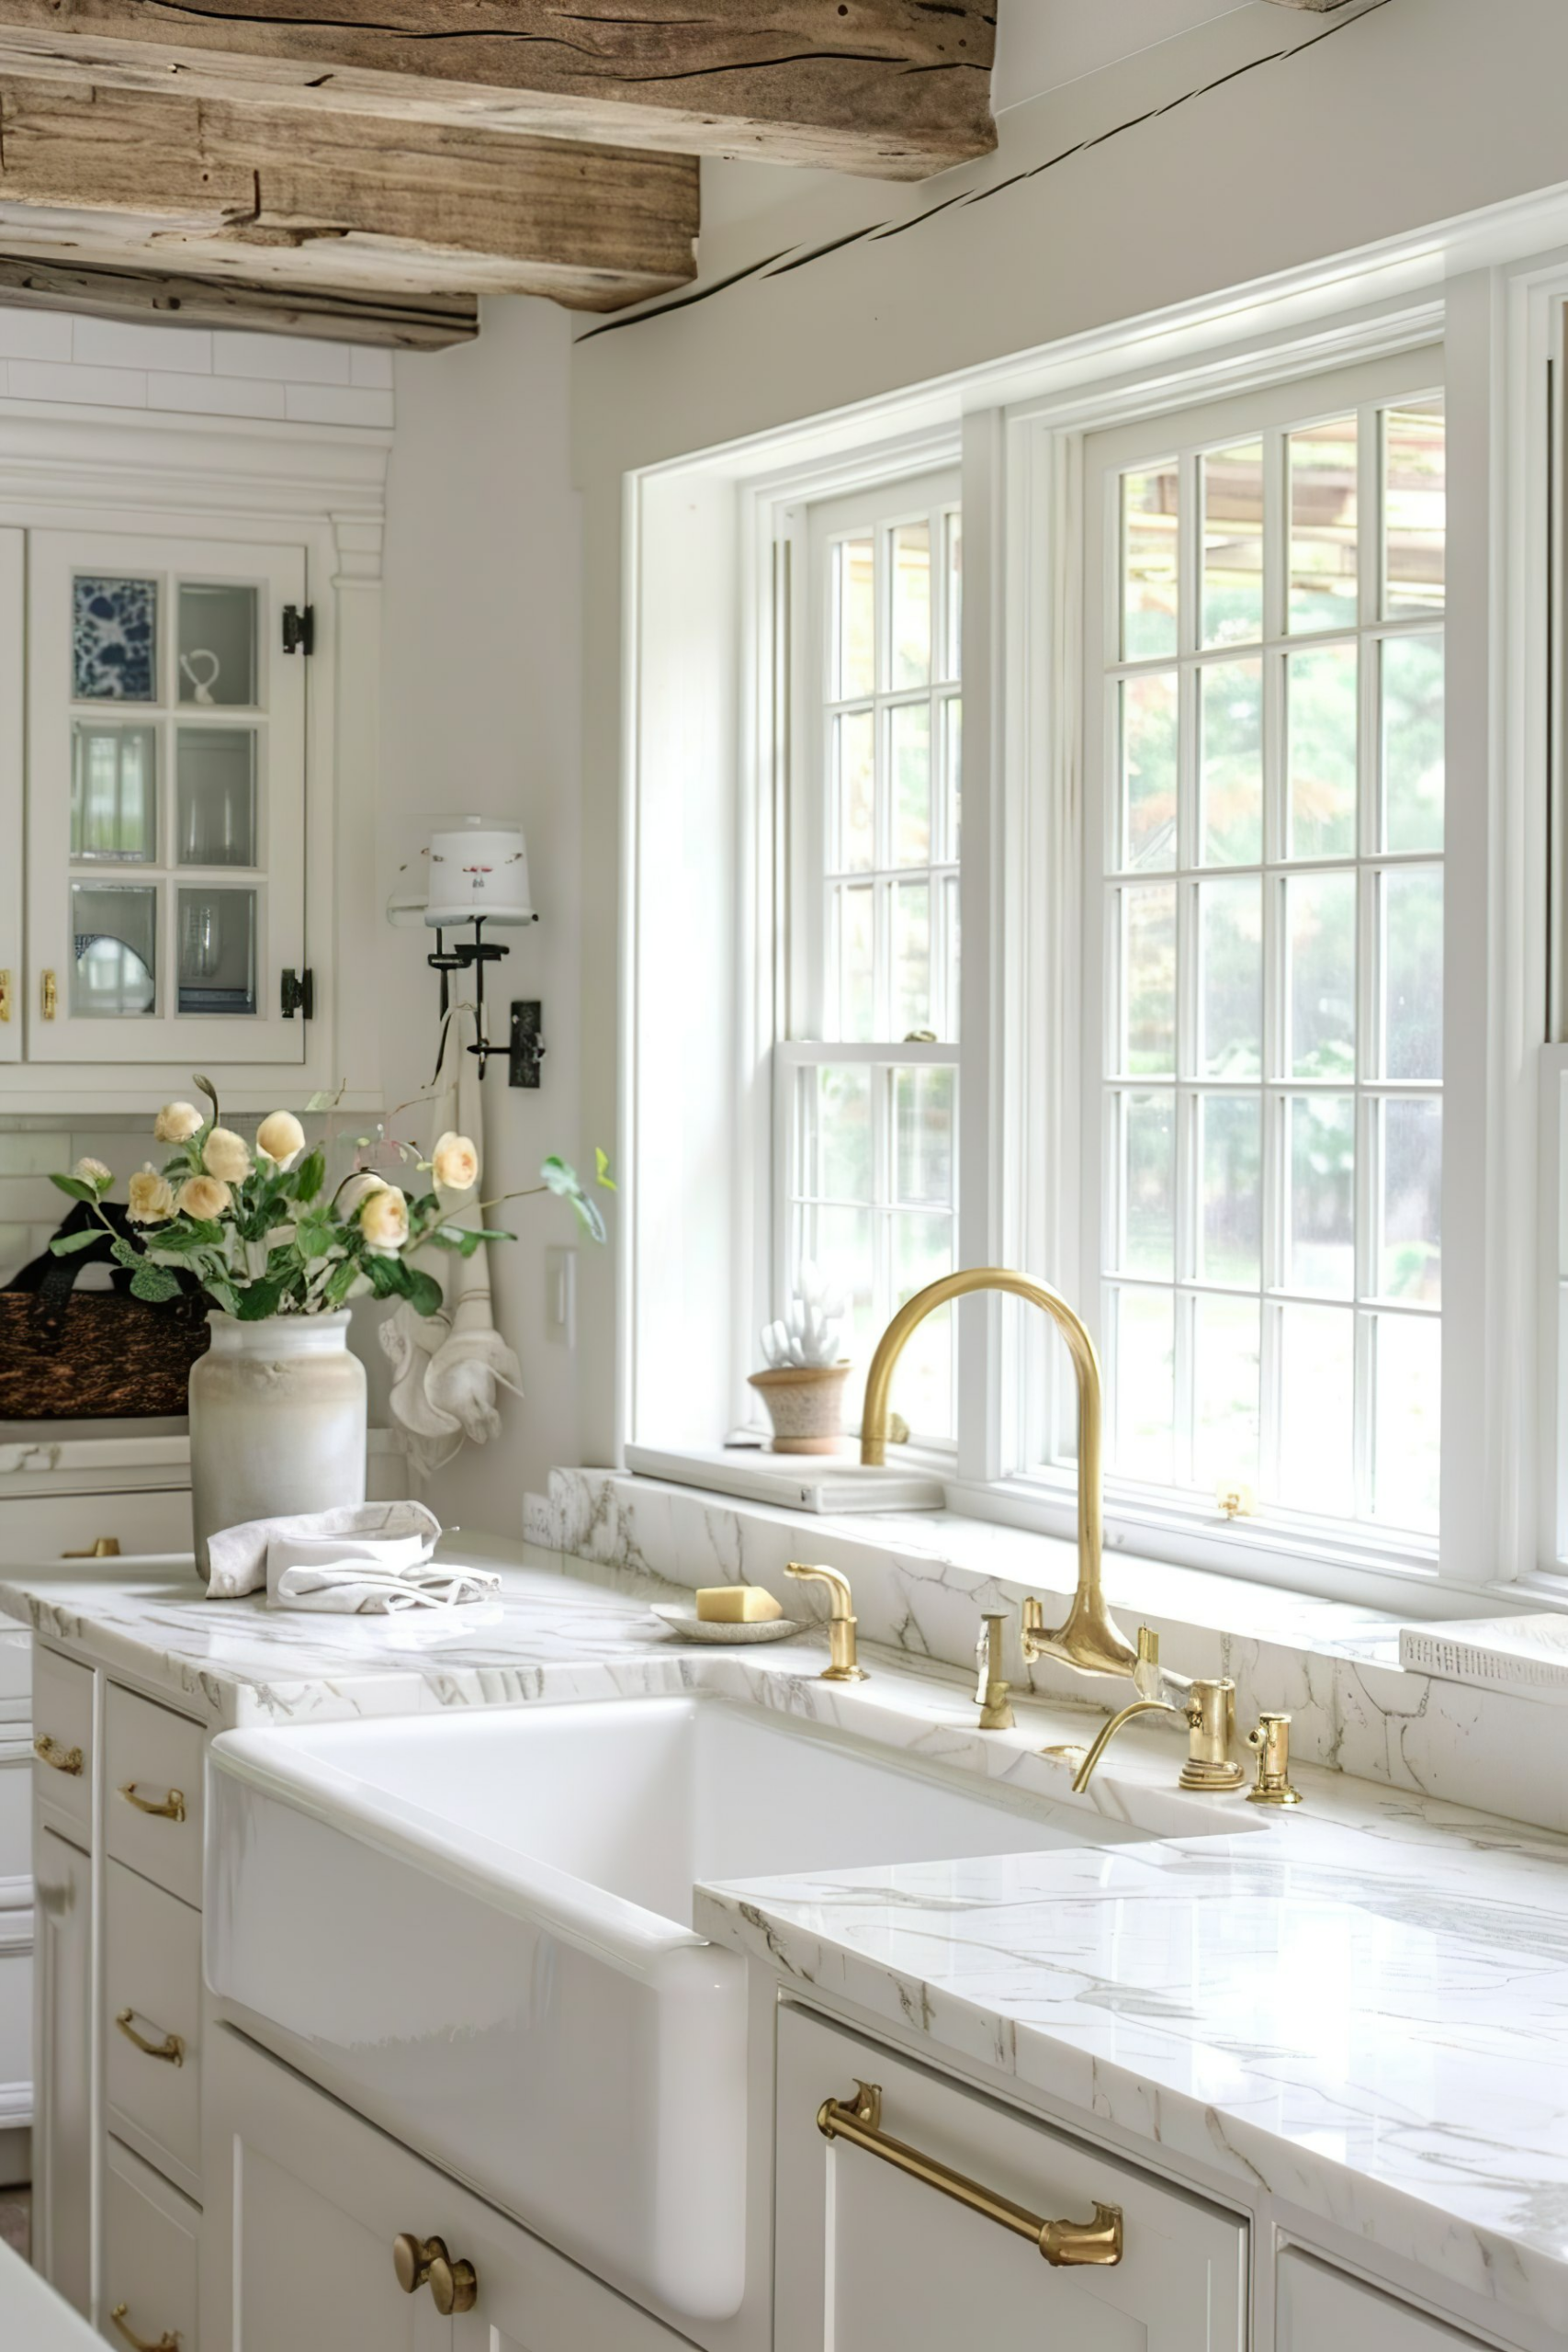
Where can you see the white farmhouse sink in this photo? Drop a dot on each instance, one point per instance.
(477, 1929)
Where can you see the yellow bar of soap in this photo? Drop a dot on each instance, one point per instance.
(736, 1604)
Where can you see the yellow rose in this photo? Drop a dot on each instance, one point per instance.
(94, 1172)
(384, 1220)
(358, 1189)
(150, 1202)
(280, 1139)
(176, 1123)
(455, 1164)
(224, 1155)
(204, 1197)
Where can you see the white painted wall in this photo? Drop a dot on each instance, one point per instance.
(481, 669)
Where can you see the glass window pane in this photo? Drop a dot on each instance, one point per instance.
(1230, 1226)
(113, 794)
(1320, 980)
(911, 605)
(838, 1241)
(838, 1141)
(924, 1136)
(1410, 1208)
(1225, 1391)
(1150, 501)
(953, 530)
(1319, 1223)
(1230, 763)
(218, 643)
(854, 792)
(1146, 1243)
(854, 619)
(911, 959)
(1324, 580)
(1148, 979)
(952, 774)
(113, 639)
(922, 1253)
(1233, 545)
(950, 924)
(1230, 978)
(1321, 736)
(1408, 1371)
(1414, 484)
(217, 951)
(114, 928)
(910, 746)
(1317, 1396)
(1412, 940)
(1148, 769)
(1143, 1414)
(215, 791)
(1413, 714)
(856, 935)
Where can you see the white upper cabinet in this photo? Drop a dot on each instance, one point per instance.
(164, 800)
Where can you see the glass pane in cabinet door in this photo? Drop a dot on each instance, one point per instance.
(217, 937)
(114, 931)
(113, 794)
(215, 792)
(217, 643)
(113, 639)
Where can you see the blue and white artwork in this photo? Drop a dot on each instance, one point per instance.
(114, 641)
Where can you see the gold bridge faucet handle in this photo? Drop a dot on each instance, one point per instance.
(1271, 1743)
(844, 1665)
(991, 1690)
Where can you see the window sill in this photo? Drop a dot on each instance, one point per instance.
(825, 1485)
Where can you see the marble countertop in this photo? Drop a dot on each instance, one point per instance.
(1360, 2006)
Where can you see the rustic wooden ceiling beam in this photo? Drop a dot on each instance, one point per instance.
(128, 177)
(418, 322)
(898, 89)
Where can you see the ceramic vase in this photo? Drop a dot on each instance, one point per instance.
(276, 1422)
(804, 1404)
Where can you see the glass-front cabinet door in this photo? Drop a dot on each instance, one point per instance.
(165, 786)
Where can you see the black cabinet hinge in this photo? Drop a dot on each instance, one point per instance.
(299, 993)
(298, 628)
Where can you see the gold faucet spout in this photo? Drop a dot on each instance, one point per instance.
(1089, 1638)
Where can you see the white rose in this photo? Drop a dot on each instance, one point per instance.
(94, 1172)
(455, 1164)
(224, 1155)
(359, 1188)
(384, 1220)
(203, 1198)
(151, 1201)
(176, 1123)
(280, 1139)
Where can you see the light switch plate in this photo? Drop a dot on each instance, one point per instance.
(560, 1295)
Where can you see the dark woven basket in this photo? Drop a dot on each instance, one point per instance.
(97, 1355)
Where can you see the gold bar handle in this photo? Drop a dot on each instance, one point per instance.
(171, 2047)
(58, 1758)
(51, 997)
(1064, 2244)
(168, 2342)
(4, 995)
(169, 1808)
(102, 1547)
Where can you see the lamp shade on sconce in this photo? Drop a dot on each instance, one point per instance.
(474, 869)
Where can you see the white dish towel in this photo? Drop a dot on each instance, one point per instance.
(363, 1559)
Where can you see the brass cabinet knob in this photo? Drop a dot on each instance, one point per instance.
(58, 1758)
(453, 2286)
(51, 997)
(412, 2258)
(168, 2342)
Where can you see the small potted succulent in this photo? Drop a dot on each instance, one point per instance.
(803, 1386)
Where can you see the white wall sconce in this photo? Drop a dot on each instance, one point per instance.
(473, 872)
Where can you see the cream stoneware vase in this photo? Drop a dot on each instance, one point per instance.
(276, 1422)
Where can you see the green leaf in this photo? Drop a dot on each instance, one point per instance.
(65, 1245)
(389, 1276)
(75, 1189)
(602, 1168)
(204, 1086)
(341, 1281)
(227, 1296)
(588, 1216)
(258, 1300)
(152, 1284)
(559, 1176)
(314, 1237)
(423, 1292)
(308, 1178)
(125, 1253)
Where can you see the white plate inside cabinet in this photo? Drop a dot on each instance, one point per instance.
(153, 1791)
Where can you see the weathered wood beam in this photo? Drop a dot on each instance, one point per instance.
(894, 88)
(418, 322)
(123, 177)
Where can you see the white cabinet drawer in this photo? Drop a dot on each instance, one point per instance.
(153, 1789)
(15, 1815)
(1320, 2310)
(868, 2256)
(62, 1743)
(152, 1996)
(34, 1529)
(151, 2239)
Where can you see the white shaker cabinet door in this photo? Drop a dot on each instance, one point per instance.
(871, 2256)
(1320, 2310)
(13, 975)
(62, 2126)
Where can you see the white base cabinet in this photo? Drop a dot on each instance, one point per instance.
(1320, 2310)
(62, 2068)
(304, 2203)
(869, 2256)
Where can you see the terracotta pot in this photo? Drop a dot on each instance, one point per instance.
(804, 1404)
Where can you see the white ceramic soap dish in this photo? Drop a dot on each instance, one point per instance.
(693, 1628)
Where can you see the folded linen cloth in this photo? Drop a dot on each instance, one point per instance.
(361, 1588)
(238, 1555)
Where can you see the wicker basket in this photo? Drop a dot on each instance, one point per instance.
(98, 1354)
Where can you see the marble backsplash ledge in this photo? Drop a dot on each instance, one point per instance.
(921, 1581)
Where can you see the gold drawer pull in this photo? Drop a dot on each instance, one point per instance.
(168, 2342)
(102, 1547)
(453, 2286)
(171, 2047)
(51, 997)
(58, 1758)
(4, 996)
(1064, 2244)
(169, 1808)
